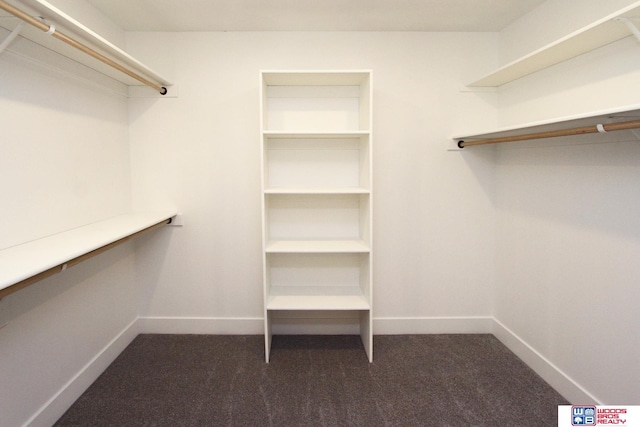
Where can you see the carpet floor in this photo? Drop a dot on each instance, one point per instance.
(218, 380)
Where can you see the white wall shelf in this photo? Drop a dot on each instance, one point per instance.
(311, 190)
(53, 254)
(612, 115)
(316, 185)
(316, 163)
(316, 246)
(80, 32)
(318, 282)
(317, 298)
(319, 134)
(600, 33)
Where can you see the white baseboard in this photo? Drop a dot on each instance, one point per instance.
(314, 325)
(243, 326)
(58, 404)
(432, 325)
(201, 325)
(51, 411)
(561, 382)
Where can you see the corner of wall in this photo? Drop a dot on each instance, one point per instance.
(560, 381)
(50, 412)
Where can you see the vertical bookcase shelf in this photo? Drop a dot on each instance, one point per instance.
(316, 147)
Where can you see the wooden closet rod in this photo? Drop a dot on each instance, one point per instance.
(51, 30)
(59, 268)
(600, 128)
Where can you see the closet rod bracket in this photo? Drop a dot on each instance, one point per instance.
(631, 26)
(11, 36)
(177, 220)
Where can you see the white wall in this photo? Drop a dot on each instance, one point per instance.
(201, 153)
(64, 163)
(568, 235)
(568, 245)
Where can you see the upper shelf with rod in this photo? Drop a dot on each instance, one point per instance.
(30, 262)
(55, 30)
(615, 119)
(609, 29)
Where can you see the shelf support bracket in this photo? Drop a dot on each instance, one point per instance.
(631, 26)
(11, 37)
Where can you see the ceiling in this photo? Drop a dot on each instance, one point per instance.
(314, 15)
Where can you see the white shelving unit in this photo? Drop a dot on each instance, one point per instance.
(83, 34)
(316, 181)
(597, 34)
(54, 253)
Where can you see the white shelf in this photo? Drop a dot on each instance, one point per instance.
(78, 31)
(317, 246)
(611, 115)
(315, 77)
(317, 298)
(315, 103)
(318, 134)
(317, 217)
(316, 190)
(317, 160)
(600, 33)
(24, 261)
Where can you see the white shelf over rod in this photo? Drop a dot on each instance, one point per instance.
(600, 33)
(73, 28)
(41, 258)
(607, 116)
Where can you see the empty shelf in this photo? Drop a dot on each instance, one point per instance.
(25, 261)
(317, 298)
(316, 190)
(317, 246)
(600, 33)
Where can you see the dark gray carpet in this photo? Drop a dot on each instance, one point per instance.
(415, 380)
